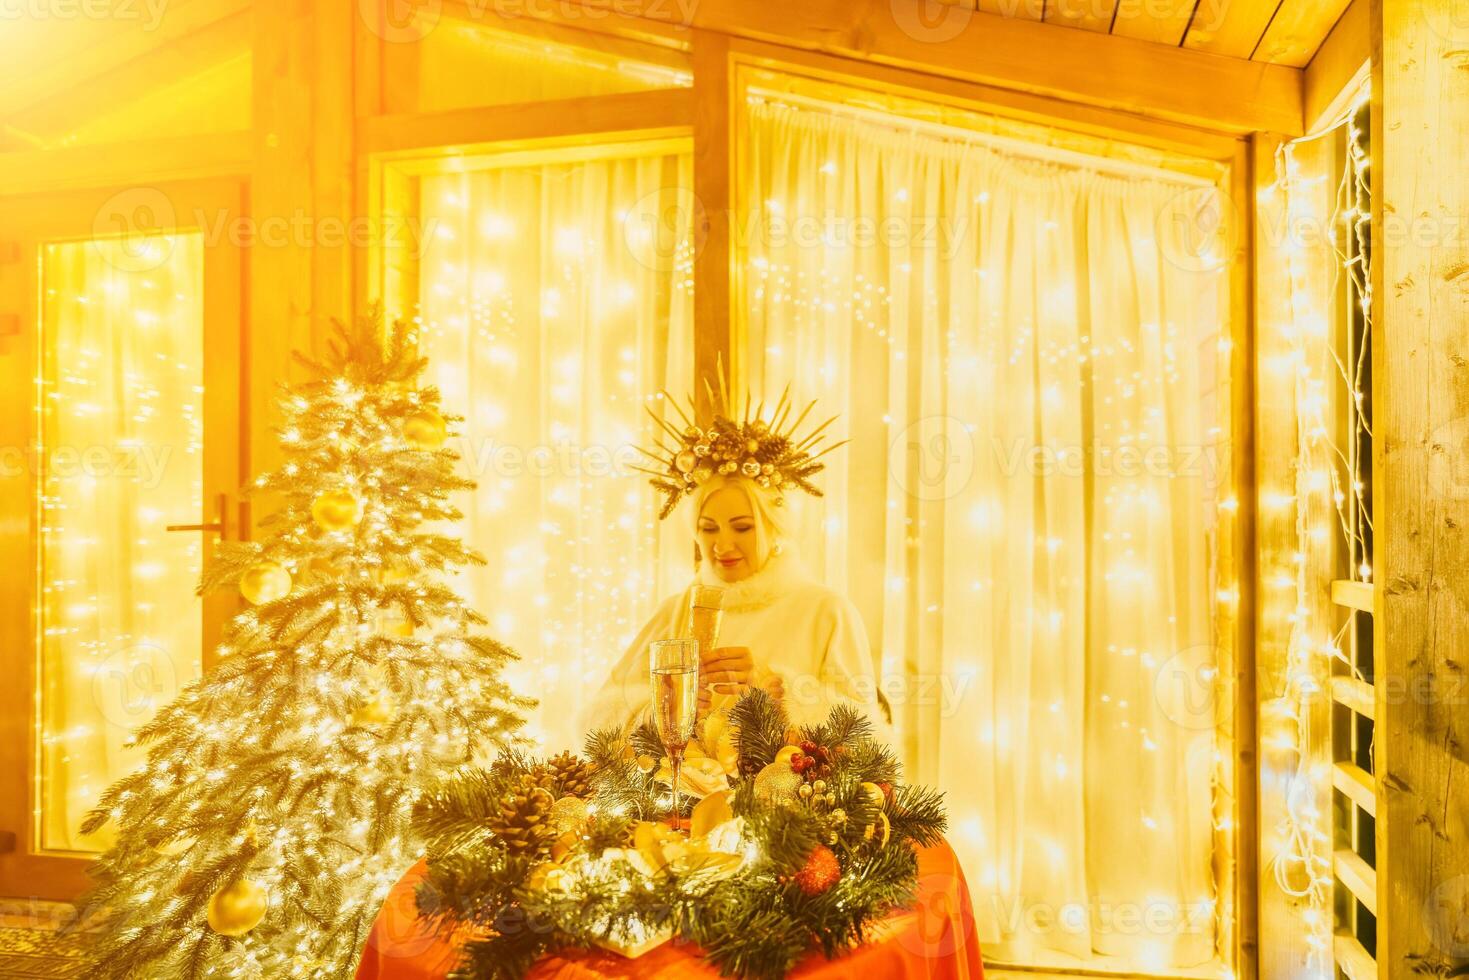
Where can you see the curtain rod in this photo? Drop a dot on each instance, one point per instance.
(1016, 147)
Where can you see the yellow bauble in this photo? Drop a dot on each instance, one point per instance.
(336, 510)
(875, 794)
(379, 711)
(264, 582)
(425, 429)
(776, 783)
(237, 908)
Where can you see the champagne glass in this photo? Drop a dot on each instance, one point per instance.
(706, 612)
(673, 668)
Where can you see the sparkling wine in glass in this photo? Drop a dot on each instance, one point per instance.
(706, 611)
(673, 668)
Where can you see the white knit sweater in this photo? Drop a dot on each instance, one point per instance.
(794, 626)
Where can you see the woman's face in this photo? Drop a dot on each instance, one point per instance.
(727, 534)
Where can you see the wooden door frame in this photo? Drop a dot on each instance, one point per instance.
(212, 207)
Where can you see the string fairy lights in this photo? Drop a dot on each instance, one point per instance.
(556, 300)
(119, 453)
(1330, 513)
(907, 269)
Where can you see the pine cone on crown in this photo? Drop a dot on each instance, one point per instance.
(573, 775)
(523, 823)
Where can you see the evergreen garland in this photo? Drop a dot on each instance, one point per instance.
(603, 882)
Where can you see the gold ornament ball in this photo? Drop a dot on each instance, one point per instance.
(425, 429)
(378, 711)
(875, 794)
(805, 792)
(265, 581)
(336, 510)
(569, 815)
(776, 783)
(237, 908)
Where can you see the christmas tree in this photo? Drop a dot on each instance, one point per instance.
(273, 813)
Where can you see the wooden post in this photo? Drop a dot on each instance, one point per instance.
(1420, 355)
(301, 197)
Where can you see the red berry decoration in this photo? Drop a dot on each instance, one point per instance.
(820, 872)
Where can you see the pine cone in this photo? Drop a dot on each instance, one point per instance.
(542, 776)
(573, 776)
(523, 823)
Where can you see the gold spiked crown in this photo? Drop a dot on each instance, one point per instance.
(770, 451)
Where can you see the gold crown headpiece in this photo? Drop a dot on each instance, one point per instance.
(769, 451)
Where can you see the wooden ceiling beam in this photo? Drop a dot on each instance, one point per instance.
(1223, 94)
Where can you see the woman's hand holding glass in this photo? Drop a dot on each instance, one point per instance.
(731, 670)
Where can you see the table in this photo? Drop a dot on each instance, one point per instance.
(935, 940)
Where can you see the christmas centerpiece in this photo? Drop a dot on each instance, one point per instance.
(273, 812)
(784, 839)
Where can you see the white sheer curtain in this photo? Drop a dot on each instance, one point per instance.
(555, 302)
(1022, 358)
(122, 425)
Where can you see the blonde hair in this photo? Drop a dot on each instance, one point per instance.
(770, 519)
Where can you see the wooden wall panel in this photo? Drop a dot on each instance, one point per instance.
(1421, 397)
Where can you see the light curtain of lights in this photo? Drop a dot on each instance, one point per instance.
(556, 303)
(120, 456)
(1325, 220)
(1000, 334)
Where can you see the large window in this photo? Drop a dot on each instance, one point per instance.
(1025, 358)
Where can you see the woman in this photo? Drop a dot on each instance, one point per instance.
(781, 630)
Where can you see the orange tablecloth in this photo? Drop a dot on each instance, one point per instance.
(936, 940)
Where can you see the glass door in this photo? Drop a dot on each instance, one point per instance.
(121, 438)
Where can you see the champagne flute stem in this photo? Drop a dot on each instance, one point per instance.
(677, 768)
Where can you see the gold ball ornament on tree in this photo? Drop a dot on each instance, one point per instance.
(265, 581)
(377, 710)
(237, 907)
(776, 783)
(336, 510)
(425, 429)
